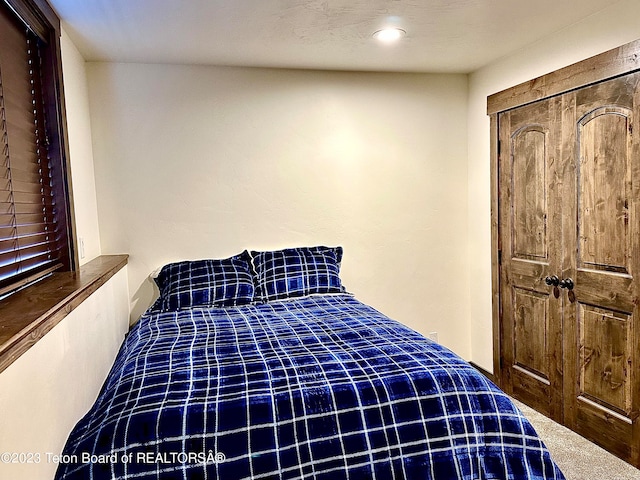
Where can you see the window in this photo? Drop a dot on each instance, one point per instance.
(35, 204)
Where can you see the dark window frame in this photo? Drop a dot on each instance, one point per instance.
(43, 22)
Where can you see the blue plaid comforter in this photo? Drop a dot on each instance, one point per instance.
(321, 387)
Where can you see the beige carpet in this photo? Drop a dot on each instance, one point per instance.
(578, 458)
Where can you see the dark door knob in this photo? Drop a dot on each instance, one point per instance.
(552, 280)
(566, 283)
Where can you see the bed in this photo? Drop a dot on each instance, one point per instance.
(262, 366)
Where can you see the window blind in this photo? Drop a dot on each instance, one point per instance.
(29, 236)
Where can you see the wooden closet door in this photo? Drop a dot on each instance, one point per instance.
(530, 242)
(569, 202)
(601, 254)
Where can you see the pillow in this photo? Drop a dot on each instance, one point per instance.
(295, 272)
(216, 283)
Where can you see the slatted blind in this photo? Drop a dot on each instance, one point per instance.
(29, 239)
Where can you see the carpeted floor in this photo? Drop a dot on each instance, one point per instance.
(578, 458)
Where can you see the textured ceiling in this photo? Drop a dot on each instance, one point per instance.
(457, 36)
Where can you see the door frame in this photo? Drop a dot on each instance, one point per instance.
(615, 62)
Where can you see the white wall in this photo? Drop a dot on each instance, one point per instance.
(203, 162)
(46, 391)
(603, 31)
(80, 149)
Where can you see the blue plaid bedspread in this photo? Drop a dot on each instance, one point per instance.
(322, 387)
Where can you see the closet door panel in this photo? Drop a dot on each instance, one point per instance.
(531, 328)
(529, 202)
(605, 338)
(601, 242)
(529, 236)
(604, 189)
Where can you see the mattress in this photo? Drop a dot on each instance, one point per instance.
(319, 387)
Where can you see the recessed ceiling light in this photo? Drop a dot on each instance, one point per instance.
(389, 35)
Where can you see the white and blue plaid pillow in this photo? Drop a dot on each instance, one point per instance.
(296, 272)
(216, 283)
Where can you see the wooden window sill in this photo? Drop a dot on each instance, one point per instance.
(27, 315)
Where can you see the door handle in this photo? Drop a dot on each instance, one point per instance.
(566, 283)
(552, 281)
